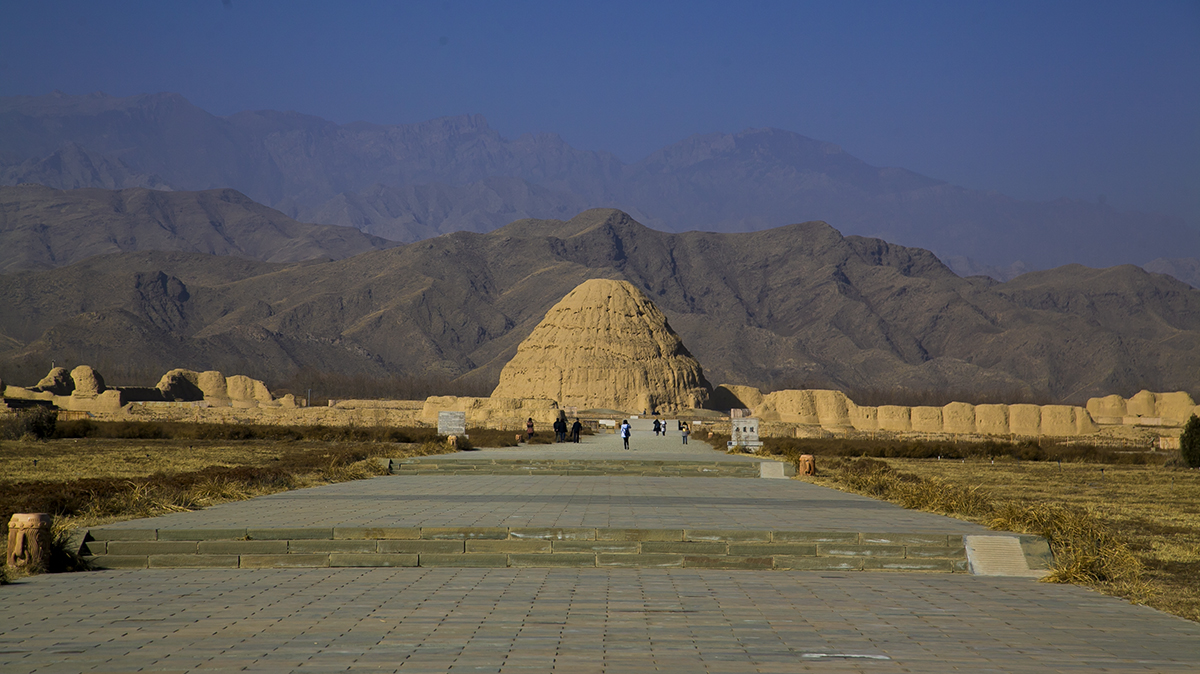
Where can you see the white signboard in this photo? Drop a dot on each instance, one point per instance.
(452, 423)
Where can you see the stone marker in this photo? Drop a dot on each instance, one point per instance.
(744, 433)
(452, 423)
(807, 464)
(29, 541)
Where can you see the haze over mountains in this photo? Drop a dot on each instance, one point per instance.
(795, 305)
(42, 228)
(408, 182)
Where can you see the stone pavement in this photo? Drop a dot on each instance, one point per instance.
(418, 619)
(578, 621)
(552, 501)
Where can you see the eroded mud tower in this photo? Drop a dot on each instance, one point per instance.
(605, 346)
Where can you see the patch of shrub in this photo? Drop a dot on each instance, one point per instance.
(170, 430)
(36, 422)
(1189, 442)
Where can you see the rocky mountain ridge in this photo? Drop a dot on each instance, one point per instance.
(316, 170)
(790, 307)
(42, 228)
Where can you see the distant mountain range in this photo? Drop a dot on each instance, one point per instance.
(799, 305)
(43, 228)
(408, 182)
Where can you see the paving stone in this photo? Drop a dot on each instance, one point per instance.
(728, 562)
(534, 546)
(120, 562)
(311, 546)
(464, 560)
(918, 551)
(283, 561)
(906, 564)
(767, 549)
(573, 534)
(338, 559)
(462, 533)
(193, 561)
(818, 563)
(908, 539)
(726, 535)
(814, 537)
(123, 534)
(685, 547)
(92, 548)
(422, 547)
(596, 546)
(375, 533)
(151, 547)
(638, 561)
(559, 559)
(639, 534)
(860, 550)
(201, 534)
(289, 533)
(243, 547)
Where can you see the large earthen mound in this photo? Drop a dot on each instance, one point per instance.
(605, 345)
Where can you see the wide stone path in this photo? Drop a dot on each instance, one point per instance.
(553, 501)
(578, 621)
(609, 620)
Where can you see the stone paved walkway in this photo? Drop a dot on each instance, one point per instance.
(555, 501)
(577, 621)
(574, 620)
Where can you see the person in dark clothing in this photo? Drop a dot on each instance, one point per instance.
(529, 429)
(576, 428)
(560, 430)
(657, 427)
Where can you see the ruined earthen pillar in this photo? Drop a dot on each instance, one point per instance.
(29, 541)
(807, 465)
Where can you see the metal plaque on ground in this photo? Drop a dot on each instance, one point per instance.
(452, 423)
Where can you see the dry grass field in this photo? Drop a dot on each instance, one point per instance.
(88, 481)
(1128, 530)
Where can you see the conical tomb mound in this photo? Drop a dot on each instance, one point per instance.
(605, 345)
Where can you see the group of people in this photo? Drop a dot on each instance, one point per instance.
(560, 430)
(660, 428)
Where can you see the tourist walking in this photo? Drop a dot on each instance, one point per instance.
(685, 432)
(529, 429)
(576, 429)
(657, 427)
(560, 430)
(626, 429)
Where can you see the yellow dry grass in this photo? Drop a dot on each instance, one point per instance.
(110, 480)
(1141, 524)
(63, 460)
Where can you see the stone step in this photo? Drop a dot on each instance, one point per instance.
(649, 468)
(117, 548)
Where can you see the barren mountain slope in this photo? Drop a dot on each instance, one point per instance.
(42, 227)
(793, 305)
(316, 170)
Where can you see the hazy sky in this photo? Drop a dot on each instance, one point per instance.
(1038, 100)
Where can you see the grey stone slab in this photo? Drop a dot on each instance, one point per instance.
(266, 533)
(193, 561)
(202, 534)
(531, 503)
(243, 547)
(577, 619)
(337, 559)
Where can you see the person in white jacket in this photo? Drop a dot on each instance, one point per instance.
(626, 430)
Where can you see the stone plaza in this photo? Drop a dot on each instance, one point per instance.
(572, 558)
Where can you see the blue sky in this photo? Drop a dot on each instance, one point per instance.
(1038, 100)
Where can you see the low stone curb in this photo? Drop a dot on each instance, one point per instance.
(580, 467)
(115, 548)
